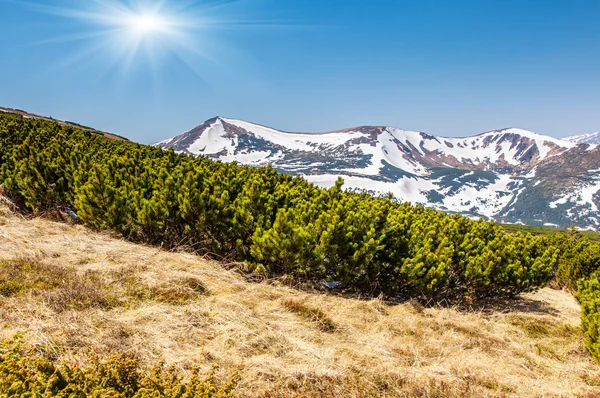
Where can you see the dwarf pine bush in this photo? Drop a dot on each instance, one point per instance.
(589, 296)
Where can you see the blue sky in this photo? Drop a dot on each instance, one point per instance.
(451, 68)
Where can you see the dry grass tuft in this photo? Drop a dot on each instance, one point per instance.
(78, 295)
(323, 322)
(534, 326)
(62, 288)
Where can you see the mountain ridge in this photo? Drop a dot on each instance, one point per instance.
(509, 175)
(233, 119)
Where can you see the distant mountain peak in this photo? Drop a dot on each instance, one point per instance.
(511, 174)
(592, 138)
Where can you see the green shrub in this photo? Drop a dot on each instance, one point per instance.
(579, 258)
(589, 297)
(24, 373)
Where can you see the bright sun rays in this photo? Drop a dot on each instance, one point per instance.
(127, 35)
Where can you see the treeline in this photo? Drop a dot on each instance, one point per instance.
(279, 223)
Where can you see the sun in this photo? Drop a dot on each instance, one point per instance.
(126, 26)
(148, 35)
(144, 24)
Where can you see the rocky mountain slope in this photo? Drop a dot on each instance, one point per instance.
(509, 175)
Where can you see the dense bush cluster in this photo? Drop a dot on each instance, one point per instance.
(578, 259)
(283, 224)
(589, 296)
(25, 373)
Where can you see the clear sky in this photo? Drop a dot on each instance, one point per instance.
(450, 68)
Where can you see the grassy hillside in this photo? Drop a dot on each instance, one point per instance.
(77, 295)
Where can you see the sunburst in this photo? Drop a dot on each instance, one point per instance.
(125, 34)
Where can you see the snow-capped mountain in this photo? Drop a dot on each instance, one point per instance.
(510, 175)
(593, 138)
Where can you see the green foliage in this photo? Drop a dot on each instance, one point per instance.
(589, 296)
(25, 373)
(283, 224)
(578, 257)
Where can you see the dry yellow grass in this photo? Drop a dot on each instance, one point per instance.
(188, 311)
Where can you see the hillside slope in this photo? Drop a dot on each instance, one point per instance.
(117, 297)
(28, 115)
(510, 175)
